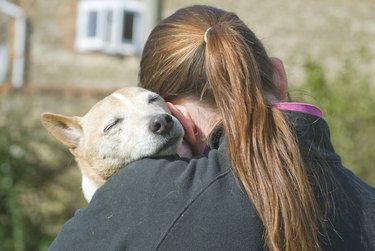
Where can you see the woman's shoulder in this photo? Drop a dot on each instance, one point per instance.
(163, 172)
(157, 202)
(196, 204)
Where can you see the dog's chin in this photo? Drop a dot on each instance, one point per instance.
(168, 147)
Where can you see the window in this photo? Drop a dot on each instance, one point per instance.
(127, 25)
(111, 26)
(91, 26)
(4, 58)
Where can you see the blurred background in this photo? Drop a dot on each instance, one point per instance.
(62, 56)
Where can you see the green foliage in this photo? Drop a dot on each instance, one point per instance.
(33, 204)
(348, 101)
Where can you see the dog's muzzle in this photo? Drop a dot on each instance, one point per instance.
(161, 124)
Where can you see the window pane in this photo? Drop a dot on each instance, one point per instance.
(127, 32)
(91, 29)
(108, 26)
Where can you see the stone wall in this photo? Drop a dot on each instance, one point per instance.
(325, 30)
(53, 60)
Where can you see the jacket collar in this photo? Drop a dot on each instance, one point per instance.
(312, 132)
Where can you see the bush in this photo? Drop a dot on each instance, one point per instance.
(348, 101)
(39, 184)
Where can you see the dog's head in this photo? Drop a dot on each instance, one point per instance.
(127, 125)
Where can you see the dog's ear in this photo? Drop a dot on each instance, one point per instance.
(65, 129)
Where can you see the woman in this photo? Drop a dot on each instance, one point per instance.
(265, 175)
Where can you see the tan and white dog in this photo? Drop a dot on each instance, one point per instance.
(127, 125)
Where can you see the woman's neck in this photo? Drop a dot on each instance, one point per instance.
(204, 119)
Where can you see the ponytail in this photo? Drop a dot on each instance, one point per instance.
(263, 151)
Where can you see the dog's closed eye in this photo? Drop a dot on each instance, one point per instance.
(112, 123)
(153, 98)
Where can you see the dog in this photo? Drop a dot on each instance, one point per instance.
(129, 124)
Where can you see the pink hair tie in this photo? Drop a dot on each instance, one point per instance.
(299, 107)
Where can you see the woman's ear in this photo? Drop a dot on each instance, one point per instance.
(279, 77)
(182, 114)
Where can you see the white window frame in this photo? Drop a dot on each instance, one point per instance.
(114, 44)
(19, 44)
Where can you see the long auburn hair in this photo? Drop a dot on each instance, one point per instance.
(232, 72)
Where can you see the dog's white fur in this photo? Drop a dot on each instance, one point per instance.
(115, 132)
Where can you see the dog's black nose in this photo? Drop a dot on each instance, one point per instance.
(161, 123)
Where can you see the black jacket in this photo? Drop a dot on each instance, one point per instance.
(175, 204)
